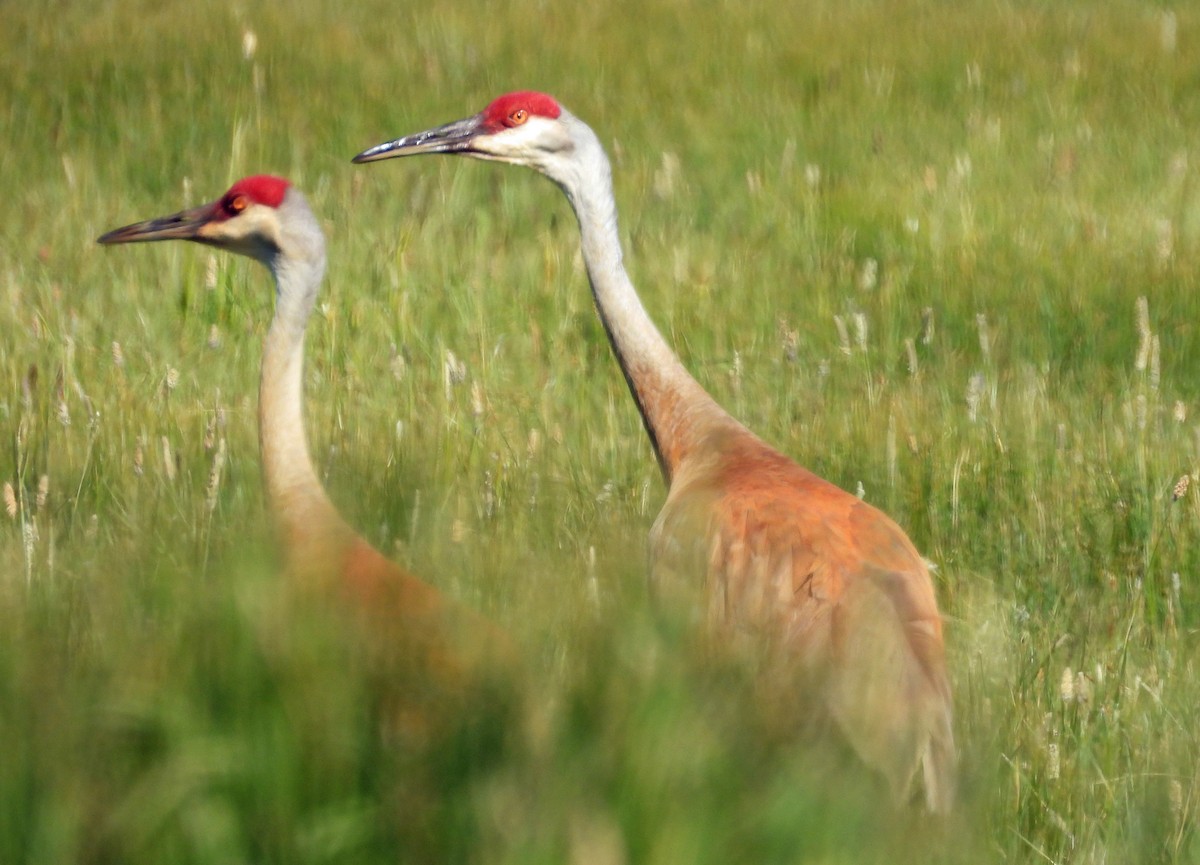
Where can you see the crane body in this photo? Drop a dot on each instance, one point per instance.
(266, 218)
(833, 582)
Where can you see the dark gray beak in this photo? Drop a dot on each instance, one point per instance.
(454, 137)
(184, 225)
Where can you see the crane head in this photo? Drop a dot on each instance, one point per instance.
(245, 220)
(524, 128)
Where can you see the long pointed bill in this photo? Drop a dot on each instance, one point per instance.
(454, 137)
(178, 226)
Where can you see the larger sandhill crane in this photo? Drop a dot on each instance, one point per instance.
(269, 220)
(834, 580)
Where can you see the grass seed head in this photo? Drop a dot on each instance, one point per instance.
(1155, 362)
(868, 275)
(168, 457)
(843, 335)
(985, 339)
(214, 476)
(975, 386)
(454, 372)
(860, 330)
(10, 500)
(1142, 323)
(1066, 685)
(210, 273)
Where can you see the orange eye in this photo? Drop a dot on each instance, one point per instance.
(518, 117)
(237, 204)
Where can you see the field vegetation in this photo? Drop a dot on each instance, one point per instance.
(944, 254)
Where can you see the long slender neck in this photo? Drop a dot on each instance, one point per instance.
(305, 518)
(677, 412)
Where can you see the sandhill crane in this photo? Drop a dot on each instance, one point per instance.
(269, 220)
(834, 581)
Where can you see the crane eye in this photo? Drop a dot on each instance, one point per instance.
(236, 204)
(518, 117)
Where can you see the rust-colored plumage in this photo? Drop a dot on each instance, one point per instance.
(832, 582)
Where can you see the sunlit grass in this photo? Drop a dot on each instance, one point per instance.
(905, 242)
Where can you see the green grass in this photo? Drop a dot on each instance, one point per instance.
(1025, 171)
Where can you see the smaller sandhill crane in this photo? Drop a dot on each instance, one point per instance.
(446, 646)
(836, 581)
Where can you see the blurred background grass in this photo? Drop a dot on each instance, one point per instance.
(904, 241)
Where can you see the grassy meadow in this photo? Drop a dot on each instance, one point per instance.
(944, 254)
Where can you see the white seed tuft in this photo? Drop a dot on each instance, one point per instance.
(860, 330)
(1066, 685)
(868, 275)
(843, 335)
